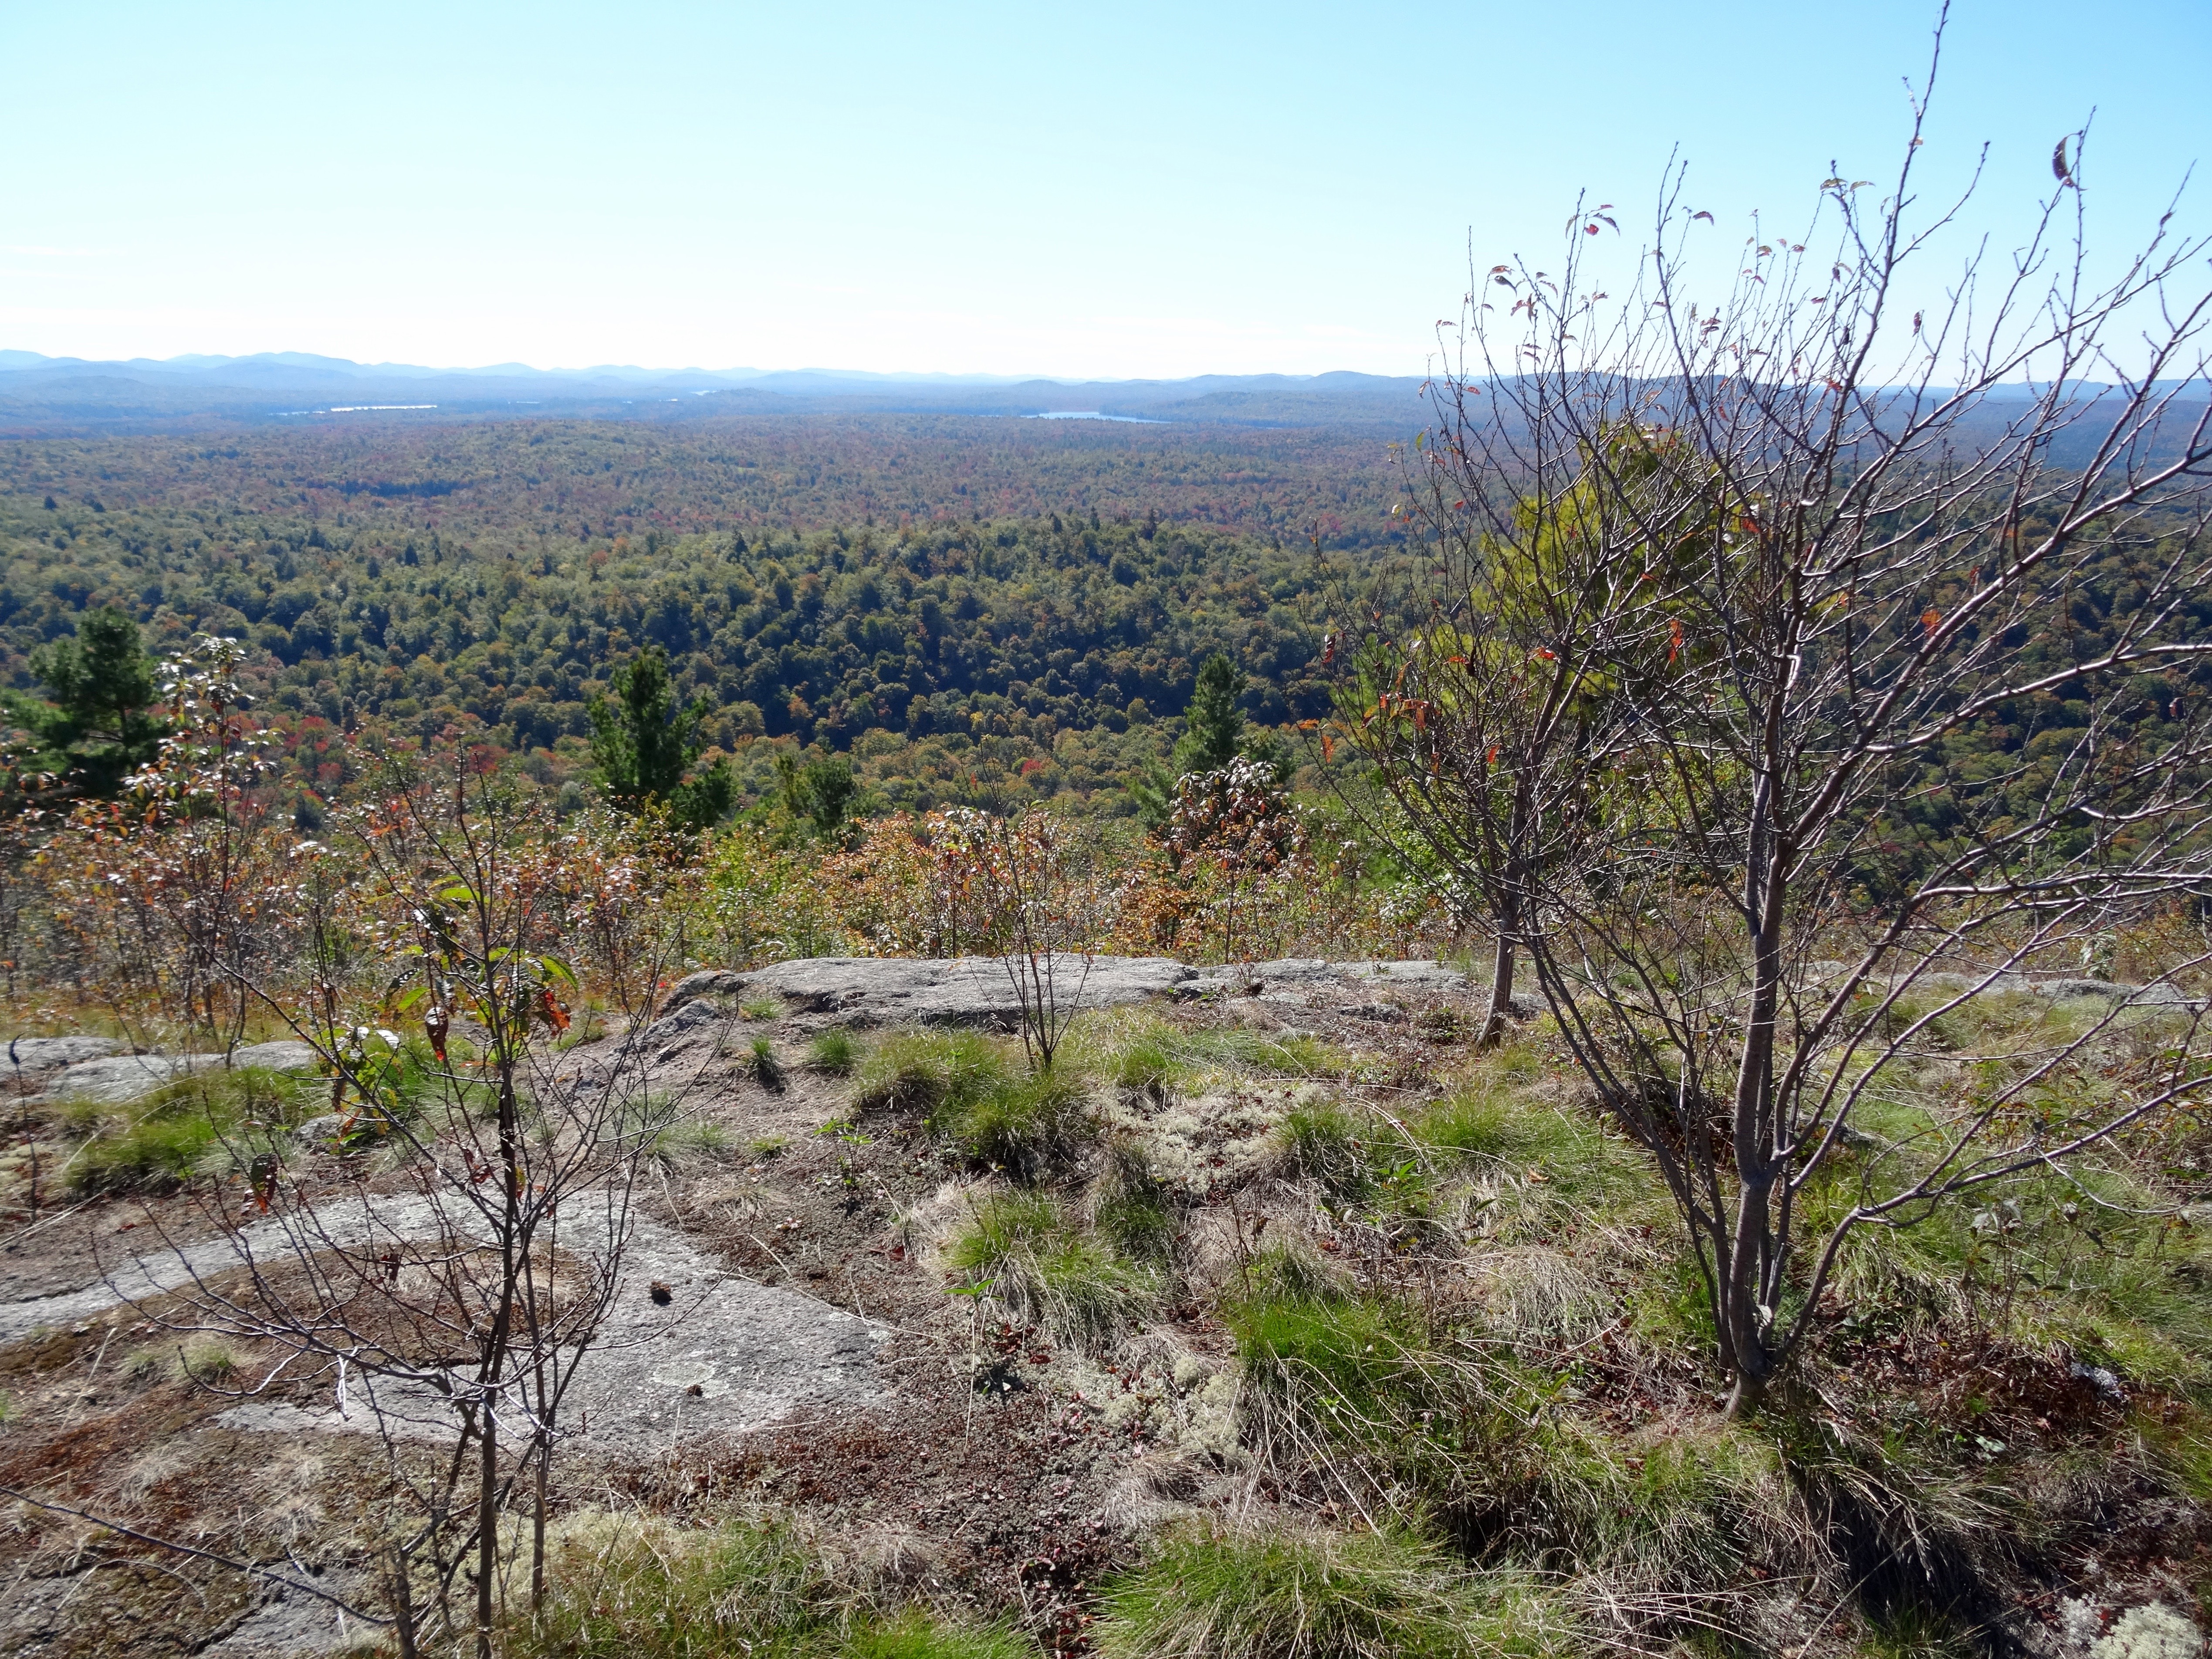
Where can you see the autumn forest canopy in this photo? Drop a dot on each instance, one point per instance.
(951, 581)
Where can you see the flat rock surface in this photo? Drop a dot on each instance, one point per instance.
(50, 1054)
(976, 991)
(723, 1354)
(117, 1079)
(954, 991)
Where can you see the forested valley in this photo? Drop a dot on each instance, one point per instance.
(836, 583)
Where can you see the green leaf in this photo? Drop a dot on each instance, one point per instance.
(460, 893)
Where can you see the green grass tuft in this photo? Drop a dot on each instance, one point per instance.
(1323, 1142)
(209, 1360)
(1296, 1595)
(1028, 1127)
(1135, 1210)
(914, 1635)
(767, 1069)
(209, 1121)
(833, 1052)
(1047, 1271)
(929, 1071)
(691, 1140)
(626, 1589)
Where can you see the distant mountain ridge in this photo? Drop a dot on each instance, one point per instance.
(39, 391)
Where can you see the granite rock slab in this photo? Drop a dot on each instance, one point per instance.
(35, 1054)
(975, 991)
(117, 1079)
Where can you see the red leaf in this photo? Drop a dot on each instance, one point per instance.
(1930, 617)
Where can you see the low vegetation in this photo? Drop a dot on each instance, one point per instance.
(210, 1123)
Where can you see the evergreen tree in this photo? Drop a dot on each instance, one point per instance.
(1214, 725)
(819, 793)
(102, 724)
(1214, 734)
(643, 746)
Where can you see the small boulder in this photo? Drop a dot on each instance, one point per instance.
(287, 1055)
(958, 991)
(120, 1078)
(707, 982)
(34, 1055)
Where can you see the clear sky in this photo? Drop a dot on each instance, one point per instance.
(1131, 189)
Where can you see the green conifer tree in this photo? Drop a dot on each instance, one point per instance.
(642, 746)
(102, 723)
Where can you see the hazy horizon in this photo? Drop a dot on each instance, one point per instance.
(10, 354)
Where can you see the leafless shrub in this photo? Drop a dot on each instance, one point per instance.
(1721, 698)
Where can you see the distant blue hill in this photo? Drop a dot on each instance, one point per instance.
(39, 391)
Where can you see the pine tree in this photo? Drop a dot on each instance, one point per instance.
(643, 746)
(1214, 725)
(1214, 734)
(101, 725)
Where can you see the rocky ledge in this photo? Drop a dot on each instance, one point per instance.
(876, 991)
(93, 1069)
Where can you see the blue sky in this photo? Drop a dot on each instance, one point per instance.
(1116, 192)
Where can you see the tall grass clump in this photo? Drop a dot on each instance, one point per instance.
(1312, 1345)
(1048, 1272)
(624, 1588)
(1145, 1065)
(1135, 1209)
(929, 1073)
(833, 1052)
(631, 1589)
(1146, 1054)
(1323, 1142)
(210, 1119)
(914, 1635)
(1658, 1525)
(1293, 1594)
(1030, 1127)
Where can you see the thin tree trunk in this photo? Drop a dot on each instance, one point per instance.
(1752, 1248)
(487, 1530)
(403, 1603)
(1508, 917)
(537, 1535)
(1501, 990)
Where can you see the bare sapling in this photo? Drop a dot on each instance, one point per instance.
(1805, 661)
(450, 1295)
(1045, 911)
